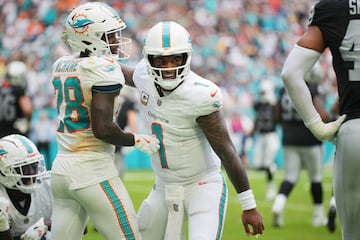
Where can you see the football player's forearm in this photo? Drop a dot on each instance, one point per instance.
(128, 74)
(236, 172)
(214, 127)
(238, 177)
(113, 134)
(299, 62)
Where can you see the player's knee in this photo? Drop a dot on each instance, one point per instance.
(145, 216)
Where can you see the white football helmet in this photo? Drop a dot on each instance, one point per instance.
(88, 27)
(267, 92)
(21, 164)
(16, 74)
(165, 39)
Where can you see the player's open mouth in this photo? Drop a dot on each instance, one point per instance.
(28, 181)
(168, 76)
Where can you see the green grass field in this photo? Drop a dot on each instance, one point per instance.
(298, 211)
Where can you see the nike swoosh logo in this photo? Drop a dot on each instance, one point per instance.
(109, 59)
(212, 94)
(202, 183)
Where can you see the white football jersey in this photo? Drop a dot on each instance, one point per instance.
(184, 152)
(40, 206)
(73, 79)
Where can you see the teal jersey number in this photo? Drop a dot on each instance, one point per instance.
(76, 116)
(158, 131)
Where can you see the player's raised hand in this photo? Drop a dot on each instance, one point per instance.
(36, 231)
(4, 209)
(253, 218)
(146, 143)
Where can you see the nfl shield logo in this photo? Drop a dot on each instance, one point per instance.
(176, 207)
(159, 102)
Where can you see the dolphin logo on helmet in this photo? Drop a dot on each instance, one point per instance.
(80, 25)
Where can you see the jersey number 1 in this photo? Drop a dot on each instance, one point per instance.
(158, 131)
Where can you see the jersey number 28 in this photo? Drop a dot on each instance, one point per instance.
(76, 115)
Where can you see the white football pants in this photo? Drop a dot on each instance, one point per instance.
(107, 204)
(202, 203)
(347, 178)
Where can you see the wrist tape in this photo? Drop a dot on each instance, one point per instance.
(247, 200)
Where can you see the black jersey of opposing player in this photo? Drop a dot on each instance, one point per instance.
(294, 131)
(265, 117)
(10, 109)
(339, 22)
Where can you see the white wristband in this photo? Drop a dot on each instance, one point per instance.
(247, 200)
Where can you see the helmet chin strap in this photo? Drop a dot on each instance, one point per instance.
(161, 90)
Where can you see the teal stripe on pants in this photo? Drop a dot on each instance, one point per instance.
(119, 210)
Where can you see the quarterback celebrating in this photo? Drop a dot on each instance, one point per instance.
(183, 110)
(84, 179)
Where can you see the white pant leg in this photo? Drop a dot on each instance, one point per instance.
(265, 149)
(258, 151)
(206, 204)
(68, 217)
(313, 157)
(347, 178)
(292, 163)
(110, 209)
(271, 148)
(152, 214)
(108, 206)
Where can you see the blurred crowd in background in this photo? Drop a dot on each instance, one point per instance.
(236, 44)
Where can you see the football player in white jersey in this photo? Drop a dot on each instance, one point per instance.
(84, 179)
(25, 195)
(183, 110)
